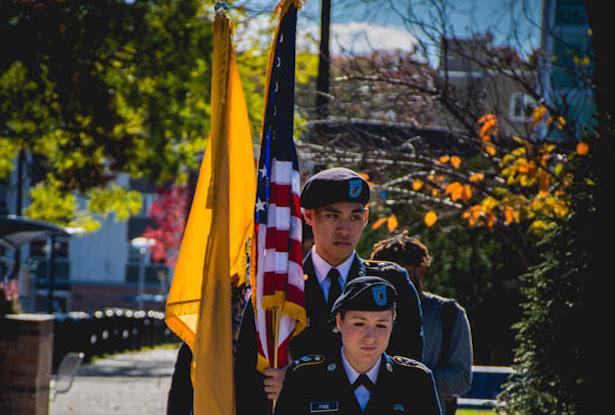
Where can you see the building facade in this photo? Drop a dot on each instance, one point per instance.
(566, 67)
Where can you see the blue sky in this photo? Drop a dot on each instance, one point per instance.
(362, 25)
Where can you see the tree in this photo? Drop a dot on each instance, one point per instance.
(169, 213)
(450, 150)
(497, 174)
(561, 292)
(93, 90)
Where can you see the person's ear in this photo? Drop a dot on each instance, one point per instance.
(308, 214)
(365, 216)
(338, 323)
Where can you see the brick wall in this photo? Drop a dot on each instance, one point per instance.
(25, 363)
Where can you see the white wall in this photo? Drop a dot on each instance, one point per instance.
(102, 255)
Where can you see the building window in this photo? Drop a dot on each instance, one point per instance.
(147, 200)
(521, 107)
(40, 248)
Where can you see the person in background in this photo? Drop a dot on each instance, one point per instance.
(179, 398)
(360, 377)
(448, 341)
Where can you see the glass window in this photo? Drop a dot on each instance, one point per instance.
(521, 107)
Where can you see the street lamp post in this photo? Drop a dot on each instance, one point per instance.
(143, 245)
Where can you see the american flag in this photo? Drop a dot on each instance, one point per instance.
(278, 282)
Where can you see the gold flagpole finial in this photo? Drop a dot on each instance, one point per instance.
(221, 7)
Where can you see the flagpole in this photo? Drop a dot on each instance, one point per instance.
(276, 323)
(276, 334)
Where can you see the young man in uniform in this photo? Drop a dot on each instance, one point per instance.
(334, 202)
(448, 342)
(360, 377)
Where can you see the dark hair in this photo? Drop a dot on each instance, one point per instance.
(402, 249)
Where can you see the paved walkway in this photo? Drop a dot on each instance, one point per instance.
(127, 384)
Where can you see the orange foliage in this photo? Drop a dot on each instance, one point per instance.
(455, 190)
(455, 161)
(582, 148)
(430, 218)
(538, 114)
(508, 215)
(477, 177)
(392, 223)
(490, 149)
(379, 223)
(490, 220)
(466, 195)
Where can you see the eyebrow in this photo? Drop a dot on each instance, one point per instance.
(380, 320)
(334, 210)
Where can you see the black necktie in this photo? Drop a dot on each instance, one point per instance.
(364, 380)
(334, 289)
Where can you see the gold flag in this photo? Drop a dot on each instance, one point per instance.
(213, 247)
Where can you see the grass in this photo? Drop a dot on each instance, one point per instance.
(475, 412)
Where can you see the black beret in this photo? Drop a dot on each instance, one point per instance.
(366, 294)
(334, 185)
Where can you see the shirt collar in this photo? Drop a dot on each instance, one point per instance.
(352, 374)
(322, 267)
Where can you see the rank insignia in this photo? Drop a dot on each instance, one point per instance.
(308, 361)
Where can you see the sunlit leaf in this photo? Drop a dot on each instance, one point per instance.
(538, 114)
(582, 148)
(486, 117)
(455, 190)
(477, 177)
(490, 149)
(466, 194)
(455, 161)
(430, 218)
(392, 223)
(490, 220)
(508, 215)
(379, 223)
(548, 148)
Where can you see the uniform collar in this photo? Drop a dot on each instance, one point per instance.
(322, 267)
(352, 374)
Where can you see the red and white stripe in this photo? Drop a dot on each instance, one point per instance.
(279, 259)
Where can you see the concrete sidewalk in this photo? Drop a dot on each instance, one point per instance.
(131, 383)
